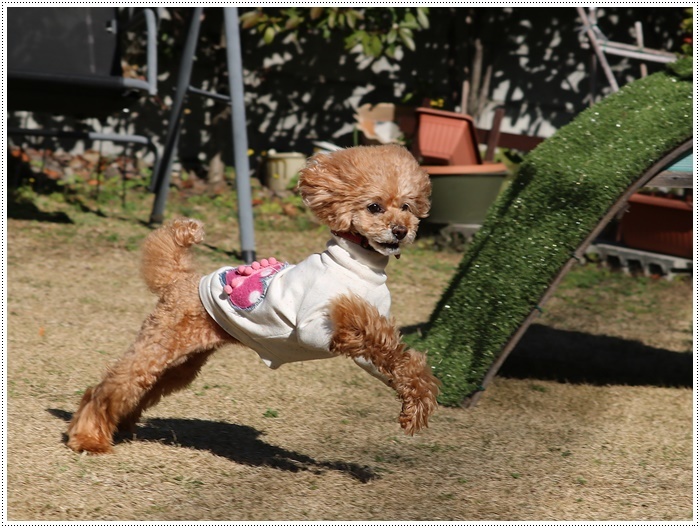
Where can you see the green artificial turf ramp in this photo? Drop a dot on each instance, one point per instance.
(562, 191)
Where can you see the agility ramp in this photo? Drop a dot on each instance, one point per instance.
(565, 193)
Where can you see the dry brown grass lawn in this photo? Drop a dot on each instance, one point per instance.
(319, 440)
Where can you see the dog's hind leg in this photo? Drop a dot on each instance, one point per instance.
(374, 342)
(173, 379)
(166, 356)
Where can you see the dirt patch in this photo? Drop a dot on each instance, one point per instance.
(319, 440)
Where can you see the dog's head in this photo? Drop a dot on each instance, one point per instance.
(379, 193)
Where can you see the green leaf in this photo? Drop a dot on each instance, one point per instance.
(351, 18)
(407, 38)
(353, 39)
(391, 36)
(409, 21)
(316, 12)
(249, 19)
(269, 35)
(375, 46)
(292, 12)
(422, 13)
(293, 22)
(364, 38)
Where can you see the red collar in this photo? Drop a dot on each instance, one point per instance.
(355, 239)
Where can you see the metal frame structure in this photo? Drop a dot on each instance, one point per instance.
(149, 86)
(161, 181)
(164, 160)
(602, 46)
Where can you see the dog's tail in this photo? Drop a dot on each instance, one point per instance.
(165, 253)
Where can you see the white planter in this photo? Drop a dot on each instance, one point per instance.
(281, 167)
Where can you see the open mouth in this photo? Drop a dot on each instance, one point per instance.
(392, 247)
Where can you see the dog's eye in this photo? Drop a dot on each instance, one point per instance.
(375, 208)
(405, 207)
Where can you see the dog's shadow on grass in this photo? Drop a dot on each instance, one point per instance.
(239, 443)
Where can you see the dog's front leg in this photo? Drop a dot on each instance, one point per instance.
(366, 365)
(374, 342)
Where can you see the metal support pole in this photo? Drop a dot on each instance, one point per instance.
(240, 135)
(162, 177)
(597, 50)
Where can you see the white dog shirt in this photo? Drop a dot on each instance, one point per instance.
(281, 310)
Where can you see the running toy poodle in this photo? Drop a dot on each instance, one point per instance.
(333, 303)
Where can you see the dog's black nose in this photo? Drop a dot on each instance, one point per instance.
(399, 232)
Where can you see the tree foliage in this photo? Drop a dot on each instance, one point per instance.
(372, 31)
(687, 29)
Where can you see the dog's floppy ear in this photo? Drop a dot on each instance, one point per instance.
(422, 200)
(325, 192)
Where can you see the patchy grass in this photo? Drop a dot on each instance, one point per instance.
(535, 448)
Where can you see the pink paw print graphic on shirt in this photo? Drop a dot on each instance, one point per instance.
(246, 285)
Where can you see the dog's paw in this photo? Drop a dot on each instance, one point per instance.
(88, 443)
(415, 413)
(419, 400)
(90, 429)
